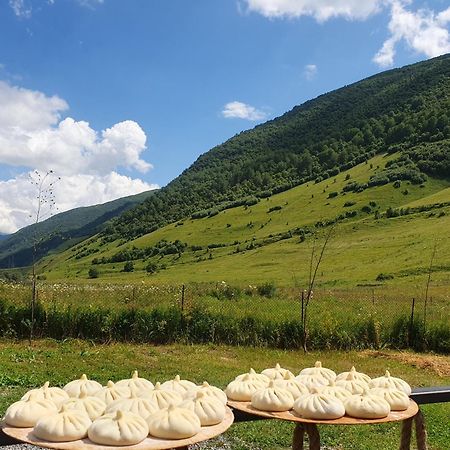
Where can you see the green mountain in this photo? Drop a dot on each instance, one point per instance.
(404, 110)
(62, 230)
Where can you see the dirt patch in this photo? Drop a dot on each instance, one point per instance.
(437, 364)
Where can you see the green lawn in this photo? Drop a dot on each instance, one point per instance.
(22, 367)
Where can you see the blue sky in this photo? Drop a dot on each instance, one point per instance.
(119, 96)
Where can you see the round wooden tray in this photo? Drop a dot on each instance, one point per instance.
(149, 443)
(393, 416)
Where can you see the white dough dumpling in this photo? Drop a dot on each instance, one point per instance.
(398, 400)
(352, 384)
(367, 406)
(312, 381)
(243, 389)
(55, 394)
(272, 398)
(337, 391)
(387, 381)
(119, 428)
(293, 385)
(93, 406)
(67, 425)
(142, 406)
(112, 392)
(320, 406)
(210, 410)
(276, 373)
(253, 375)
(318, 370)
(178, 385)
(25, 413)
(174, 423)
(162, 397)
(356, 375)
(73, 388)
(209, 390)
(140, 384)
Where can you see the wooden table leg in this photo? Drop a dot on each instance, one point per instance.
(421, 432)
(405, 443)
(314, 436)
(299, 433)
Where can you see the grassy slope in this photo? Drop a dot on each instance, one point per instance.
(361, 248)
(23, 367)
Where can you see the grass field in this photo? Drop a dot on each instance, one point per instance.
(259, 243)
(23, 367)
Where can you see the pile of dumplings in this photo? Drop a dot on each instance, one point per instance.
(122, 413)
(319, 393)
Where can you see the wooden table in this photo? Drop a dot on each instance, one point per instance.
(149, 443)
(309, 426)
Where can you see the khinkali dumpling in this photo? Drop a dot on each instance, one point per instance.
(320, 406)
(73, 388)
(243, 389)
(57, 395)
(210, 410)
(312, 381)
(174, 423)
(353, 385)
(357, 376)
(272, 398)
(293, 385)
(387, 381)
(367, 406)
(318, 370)
(276, 373)
(93, 406)
(178, 385)
(67, 425)
(252, 375)
(119, 428)
(337, 391)
(398, 400)
(163, 397)
(140, 384)
(142, 406)
(25, 413)
(112, 392)
(209, 391)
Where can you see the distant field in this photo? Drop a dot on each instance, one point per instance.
(261, 243)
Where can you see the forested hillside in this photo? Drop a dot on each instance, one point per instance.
(64, 228)
(405, 110)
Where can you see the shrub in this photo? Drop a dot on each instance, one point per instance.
(267, 289)
(274, 208)
(348, 204)
(384, 276)
(128, 266)
(333, 194)
(151, 267)
(93, 272)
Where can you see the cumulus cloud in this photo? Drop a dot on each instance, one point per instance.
(34, 136)
(423, 31)
(239, 110)
(20, 8)
(321, 10)
(310, 71)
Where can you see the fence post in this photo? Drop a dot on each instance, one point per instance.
(303, 305)
(411, 323)
(182, 297)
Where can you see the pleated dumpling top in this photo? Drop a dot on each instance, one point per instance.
(93, 406)
(367, 406)
(337, 391)
(142, 406)
(119, 428)
(276, 373)
(293, 385)
(112, 392)
(253, 375)
(25, 413)
(320, 371)
(136, 382)
(163, 397)
(178, 385)
(398, 400)
(242, 390)
(73, 388)
(55, 394)
(320, 406)
(356, 375)
(272, 398)
(210, 410)
(67, 425)
(209, 390)
(387, 381)
(174, 423)
(352, 384)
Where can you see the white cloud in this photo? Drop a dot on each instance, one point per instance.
(33, 135)
(321, 10)
(423, 31)
(310, 71)
(239, 110)
(20, 8)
